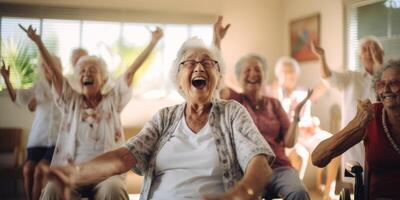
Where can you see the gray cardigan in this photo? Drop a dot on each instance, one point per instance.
(236, 137)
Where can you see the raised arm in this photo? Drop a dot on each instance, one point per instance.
(155, 37)
(253, 182)
(293, 130)
(100, 168)
(219, 32)
(55, 72)
(320, 53)
(340, 142)
(5, 72)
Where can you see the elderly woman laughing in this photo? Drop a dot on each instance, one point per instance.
(91, 122)
(204, 148)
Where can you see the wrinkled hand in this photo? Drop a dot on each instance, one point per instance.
(31, 32)
(219, 29)
(63, 177)
(376, 54)
(157, 34)
(5, 71)
(299, 106)
(238, 192)
(365, 112)
(317, 50)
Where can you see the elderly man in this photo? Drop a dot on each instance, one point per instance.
(355, 85)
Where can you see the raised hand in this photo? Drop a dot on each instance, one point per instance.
(376, 54)
(299, 106)
(317, 50)
(365, 112)
(31, 32)
(157, 34)
(5, 71)
(219, 29)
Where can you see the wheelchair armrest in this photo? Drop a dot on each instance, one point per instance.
(353, 169)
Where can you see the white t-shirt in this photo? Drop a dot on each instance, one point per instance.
(47, 119)
(187, 166)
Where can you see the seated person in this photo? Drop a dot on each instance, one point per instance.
(90, 123)
(378, 126)
(204, 148)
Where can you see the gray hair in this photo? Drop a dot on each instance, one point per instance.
(100, 64)
(367, 39)
(286, 60)
(197, 43)
(390, 64)
(239, 63)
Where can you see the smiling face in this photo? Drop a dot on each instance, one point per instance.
(388, 88)
(90, 78)
(197, 82)
(251, 76)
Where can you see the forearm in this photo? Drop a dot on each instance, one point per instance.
(257, 174)
(325, 71)
(292, 133)
(56, 75)
(106, 165)
(337, 144)
(10, 89)
(139, 61)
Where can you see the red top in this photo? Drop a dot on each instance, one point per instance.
(272, 122)
(381, 160)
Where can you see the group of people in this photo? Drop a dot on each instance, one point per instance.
(218, 144)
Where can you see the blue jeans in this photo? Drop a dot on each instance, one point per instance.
(285, 183)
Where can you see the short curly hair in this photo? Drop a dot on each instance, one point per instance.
(196, 43)
(239, 63)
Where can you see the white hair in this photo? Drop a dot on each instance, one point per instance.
(99, 63)
(372, 39)
(286, 61)
(239, 63)
(197, 43)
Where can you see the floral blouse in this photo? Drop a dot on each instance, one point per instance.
(76, 117)
(236, 137)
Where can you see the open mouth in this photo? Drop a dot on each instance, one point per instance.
(253, 81)
(88, 82)
(388, 96)
(199, 82)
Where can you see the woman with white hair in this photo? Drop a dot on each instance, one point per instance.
(270, 118)
(43, 135)
(91, 122)
(204, 148)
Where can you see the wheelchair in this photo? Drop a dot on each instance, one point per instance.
(354, 169)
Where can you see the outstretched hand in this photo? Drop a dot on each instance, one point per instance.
(301, 104)
(5, 71)
(219, 29)
(63, 177)
(157, 34)
(31, 32)
(317, 50)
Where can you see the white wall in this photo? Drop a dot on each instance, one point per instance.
(332, 40)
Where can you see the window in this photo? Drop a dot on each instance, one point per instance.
(117, 42)
(373, 17)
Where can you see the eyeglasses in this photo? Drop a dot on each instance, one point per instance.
(206, 63)
(393, 84)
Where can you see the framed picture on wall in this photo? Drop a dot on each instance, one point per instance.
(302, 32)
